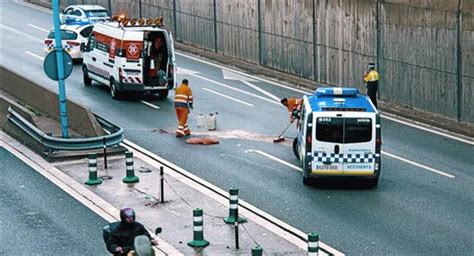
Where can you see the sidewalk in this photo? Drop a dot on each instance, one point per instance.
(175, 215)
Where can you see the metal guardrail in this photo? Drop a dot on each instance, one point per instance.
(114, 137)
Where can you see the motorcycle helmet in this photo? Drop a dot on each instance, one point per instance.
(127, 215)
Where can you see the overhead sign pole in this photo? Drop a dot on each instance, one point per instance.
(60, 66)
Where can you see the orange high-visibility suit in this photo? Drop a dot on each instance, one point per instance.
(183, 100)
(293, 103)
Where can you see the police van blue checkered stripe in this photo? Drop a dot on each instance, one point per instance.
(342, 158)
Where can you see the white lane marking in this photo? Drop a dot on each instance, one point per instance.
(385, 153)
(21, 33)
(38, 28)
(34, 55)
(419, 165)
(244, 74)
(149, 104)
(235, 89)
(34, 6)
(262, 91)
(158, 161)
(438, 131)
(273, 158)
(228, 97)
(76, 190)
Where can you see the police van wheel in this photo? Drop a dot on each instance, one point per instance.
(113, 90)
(87, 79)
(372, 183)
(162, 94)
(295, 148)
(306, 181)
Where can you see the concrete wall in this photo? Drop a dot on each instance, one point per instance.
(80, 118)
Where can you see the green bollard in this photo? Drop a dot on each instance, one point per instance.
(257, 251)
(198, 232)
(313, 244)
(93, 180)
(130, 178)
(233, 207)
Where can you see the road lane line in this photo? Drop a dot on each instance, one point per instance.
(149, 104)
(215, 193)
(273, 158)
(34, 6)
(262, 91)
(34, 55)
(21, 33)
(228, 97)
(419, 165)
(38, 28)
(438, 131)
(235, 89)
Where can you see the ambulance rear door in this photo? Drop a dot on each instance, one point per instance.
(131, 66)
(359, 143)
(172, 65)
(327, 145)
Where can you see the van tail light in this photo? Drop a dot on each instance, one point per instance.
(308, 140)
(378, 142)
(73, 43)
(121, 76)
(48, 41)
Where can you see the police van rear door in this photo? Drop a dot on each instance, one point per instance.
(359, 143)
(328, 143)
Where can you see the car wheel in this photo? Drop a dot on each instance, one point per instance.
(295, 148)
(306, 181)
(113, 90)
(86, 78)
(162, 94)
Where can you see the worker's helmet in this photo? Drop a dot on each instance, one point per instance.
(127, 215)
(185, 81)
(371, 66)
(284, 101)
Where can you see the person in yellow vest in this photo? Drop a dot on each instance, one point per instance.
(292, 104)
(371, 78)
(183, 102)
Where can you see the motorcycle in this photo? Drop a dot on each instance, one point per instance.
(141, 247)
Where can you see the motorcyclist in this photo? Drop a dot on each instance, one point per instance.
(121, 239)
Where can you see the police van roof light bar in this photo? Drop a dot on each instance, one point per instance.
(340, 92)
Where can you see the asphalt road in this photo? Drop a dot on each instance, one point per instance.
(36, 215)
(414, 210)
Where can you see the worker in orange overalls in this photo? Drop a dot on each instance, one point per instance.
(183, 101)
(291, 104)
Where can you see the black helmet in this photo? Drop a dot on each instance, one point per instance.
(127, 215)
(284, 101)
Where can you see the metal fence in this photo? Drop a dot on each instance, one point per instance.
(424, 49)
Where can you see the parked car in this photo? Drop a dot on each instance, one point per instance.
(83, 14)
(71, 38)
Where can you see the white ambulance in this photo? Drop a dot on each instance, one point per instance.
(120, 54)
(339, 135)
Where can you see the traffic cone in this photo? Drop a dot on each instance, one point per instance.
(130, 178)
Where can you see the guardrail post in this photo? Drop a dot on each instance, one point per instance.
(233, 207)
(162, 187)
(130, 178)
(313, 244)
(93, 179)
(198, 232)
(257, 251)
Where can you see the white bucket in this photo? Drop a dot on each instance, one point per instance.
(201, 120)
(212, 121)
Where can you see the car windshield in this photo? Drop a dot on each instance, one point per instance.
(97, 13)
(65, 35)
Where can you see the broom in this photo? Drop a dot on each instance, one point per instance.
(280, 138)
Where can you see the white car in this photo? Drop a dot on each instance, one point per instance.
(84, 14)
(71, 38)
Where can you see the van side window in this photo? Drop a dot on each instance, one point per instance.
(91, 43)
(302, 117)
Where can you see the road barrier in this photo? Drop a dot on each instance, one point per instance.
(130, 178)
(233, 207)
(56, 143)
(198, 231)
(313, 244)
(257, 251)
(93, 179)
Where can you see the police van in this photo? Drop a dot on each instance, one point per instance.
(338, 135)
(118, 54)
